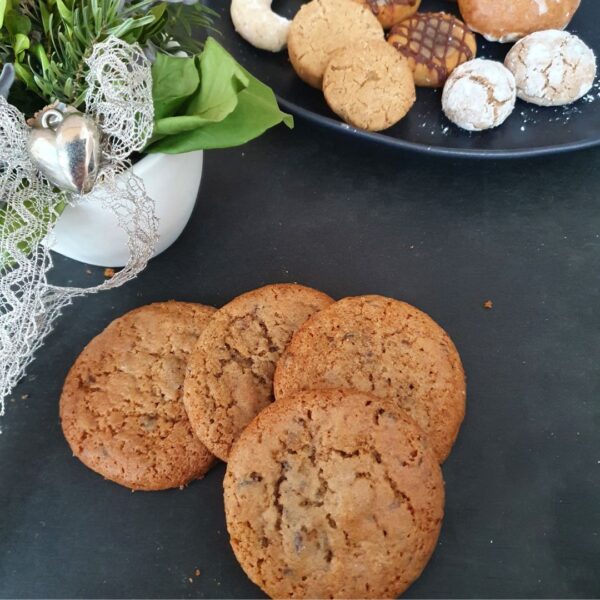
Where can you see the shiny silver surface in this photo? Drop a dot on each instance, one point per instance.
(65, 145)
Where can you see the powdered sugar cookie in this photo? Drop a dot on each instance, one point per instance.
(552, 68)
(479, 94)
(259, 25)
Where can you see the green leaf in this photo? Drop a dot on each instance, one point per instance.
(20, 44)
(256, 111)
(174, 80)
(3, 8)
(17, 23)
(64, 12)
(222, 80)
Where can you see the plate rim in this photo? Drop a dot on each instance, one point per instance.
(444, 151)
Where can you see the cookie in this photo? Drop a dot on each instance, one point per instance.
(385, 347)
(509, 20)
(369, 86)
(479, 95)
(230, 373)
(256, 22)
(390, 12)
(121, 408)
(323, 26)
(434, 45)
(552, 68)
(333, 494)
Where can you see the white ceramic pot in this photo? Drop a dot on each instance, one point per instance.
(90, 234)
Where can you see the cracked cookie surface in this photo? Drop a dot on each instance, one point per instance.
(322, 27)
(387, 348)
(230, 373)
(333, 494)
(121, 407)
(369, 85)
(479, 94)
(552, 68)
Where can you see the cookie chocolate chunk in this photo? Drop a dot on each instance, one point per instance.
(121, 407)
(333, 494)
(385, 347)
(230, 374)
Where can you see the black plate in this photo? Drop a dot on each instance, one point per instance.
(529, 131)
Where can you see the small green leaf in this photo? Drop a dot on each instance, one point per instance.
(20, 44)
(3, 7)
(64, 12)
(222, 80)
(40, 53)
(17, 23)
(174, 80)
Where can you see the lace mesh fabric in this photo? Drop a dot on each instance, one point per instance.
(120, 100)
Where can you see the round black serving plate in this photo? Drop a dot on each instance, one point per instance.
(529, 131)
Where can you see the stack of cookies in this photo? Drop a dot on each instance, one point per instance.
(333, 418)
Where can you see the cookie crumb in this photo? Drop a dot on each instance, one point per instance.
(488, 305)
(190, 580)
(197, 572)
(108, 272)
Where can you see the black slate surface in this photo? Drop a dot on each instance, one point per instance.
(523, 484)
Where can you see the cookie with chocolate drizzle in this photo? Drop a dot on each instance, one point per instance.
(390, 12)
(434, 44)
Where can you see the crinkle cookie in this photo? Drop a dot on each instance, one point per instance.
(333, 494)
(479, 94)
(552, 68)
(369, 85)
(121, 407)
(230, 373)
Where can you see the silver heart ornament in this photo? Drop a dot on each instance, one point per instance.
(64, 144)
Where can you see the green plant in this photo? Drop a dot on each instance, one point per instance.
(49, 40)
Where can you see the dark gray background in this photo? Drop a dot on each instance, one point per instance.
(523, 484)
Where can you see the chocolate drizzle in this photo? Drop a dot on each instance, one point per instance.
(430, 39)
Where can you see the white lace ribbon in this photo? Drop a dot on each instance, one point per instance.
(119, 98)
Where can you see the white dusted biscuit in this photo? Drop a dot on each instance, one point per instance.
(552, 68)
(259, 25)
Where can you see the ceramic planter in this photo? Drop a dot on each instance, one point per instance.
(90, 234)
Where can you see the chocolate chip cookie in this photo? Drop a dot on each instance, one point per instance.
(333, 494)
(121, 407)
(385, 347)
(230, 374)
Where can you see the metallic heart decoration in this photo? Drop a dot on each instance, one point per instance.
(64, 144)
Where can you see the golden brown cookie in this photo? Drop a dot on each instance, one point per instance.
(333, 494)
(230, 373)
(390, 12)
(434, 44)
(323, 26)
(121, 408)
(386, 347)
(369, 85)
(510, 20)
